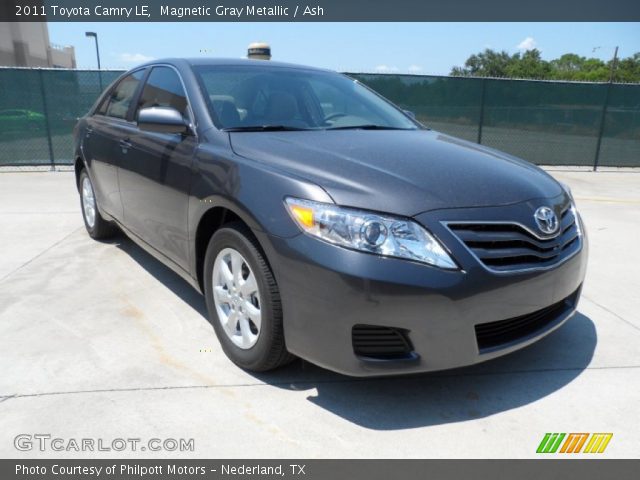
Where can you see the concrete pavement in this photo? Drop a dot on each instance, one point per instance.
(99, 340)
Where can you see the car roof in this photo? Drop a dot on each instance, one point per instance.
(204, 61)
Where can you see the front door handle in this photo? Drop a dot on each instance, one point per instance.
(125, 145)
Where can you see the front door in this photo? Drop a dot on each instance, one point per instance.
(155, 172)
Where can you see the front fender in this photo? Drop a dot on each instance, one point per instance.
(252, 190)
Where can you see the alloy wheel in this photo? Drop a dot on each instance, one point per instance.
(237, 298)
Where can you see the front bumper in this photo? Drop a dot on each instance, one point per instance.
(326, 290)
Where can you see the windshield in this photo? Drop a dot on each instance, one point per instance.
(275, 98)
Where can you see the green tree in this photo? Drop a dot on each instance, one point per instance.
(530, 64)
(567, 67)
(485, 64)
(628, 69)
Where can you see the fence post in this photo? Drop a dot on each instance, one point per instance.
(602, 122)
(481, 119)
(46, 120)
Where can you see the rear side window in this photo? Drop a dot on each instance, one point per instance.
(163, 89)
(121, 96)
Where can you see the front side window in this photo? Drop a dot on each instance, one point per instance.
(122, 94)
(164, 89)
(102, 108)
(248, 96)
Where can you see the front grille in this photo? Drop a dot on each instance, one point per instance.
(508, 247)
(375, 341)
(493, 335)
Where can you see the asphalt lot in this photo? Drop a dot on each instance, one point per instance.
(99, 340)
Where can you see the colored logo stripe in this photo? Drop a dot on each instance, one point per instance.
(598, 442)
(574, 442)
(550, 443)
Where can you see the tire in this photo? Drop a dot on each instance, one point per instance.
(255, 346)
(97, 227)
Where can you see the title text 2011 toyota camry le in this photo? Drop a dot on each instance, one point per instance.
(321, 221)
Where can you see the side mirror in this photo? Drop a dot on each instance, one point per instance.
(162, 120)
(410, 114)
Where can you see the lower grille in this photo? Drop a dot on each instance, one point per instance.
(498, 334)
(509, 247)
(375, 341)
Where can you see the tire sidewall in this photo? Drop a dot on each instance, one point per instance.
(254, 356)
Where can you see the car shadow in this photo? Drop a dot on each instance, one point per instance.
(404, 402)
(162, 273)
(459, 395)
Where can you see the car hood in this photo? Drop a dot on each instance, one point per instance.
(405, 172)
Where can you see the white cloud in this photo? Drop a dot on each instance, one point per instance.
(527, 44)
(414, 69)
(385, 69)
(134, 57)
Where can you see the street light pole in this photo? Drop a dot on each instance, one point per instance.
(95, 37)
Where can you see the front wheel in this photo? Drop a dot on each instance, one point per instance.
(243, 300)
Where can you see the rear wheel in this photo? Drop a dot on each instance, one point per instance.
(96, 226)
(243, 300)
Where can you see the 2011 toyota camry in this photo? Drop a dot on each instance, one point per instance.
(321, 221)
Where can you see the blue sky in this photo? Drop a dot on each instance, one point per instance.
(430, 48)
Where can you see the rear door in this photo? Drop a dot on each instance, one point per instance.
(155, 172)
(101, 145)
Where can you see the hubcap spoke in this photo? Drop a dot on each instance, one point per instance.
(226, 273)
(249, 286)
(245, 330)
(236, 268)
(222, 295)
(231, 326)
(253, 313)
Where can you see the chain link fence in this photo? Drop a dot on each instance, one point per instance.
(38, 110)
(548, 123)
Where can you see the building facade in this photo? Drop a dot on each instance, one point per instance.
(26, 44)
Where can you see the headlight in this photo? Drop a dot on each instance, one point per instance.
(573, 208)
(567, 189)
(369, 232)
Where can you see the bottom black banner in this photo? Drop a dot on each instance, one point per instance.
(585, 469)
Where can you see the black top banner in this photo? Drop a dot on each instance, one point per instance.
(318, 10)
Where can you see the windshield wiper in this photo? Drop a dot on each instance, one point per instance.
(368, 127)
(265, 128)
